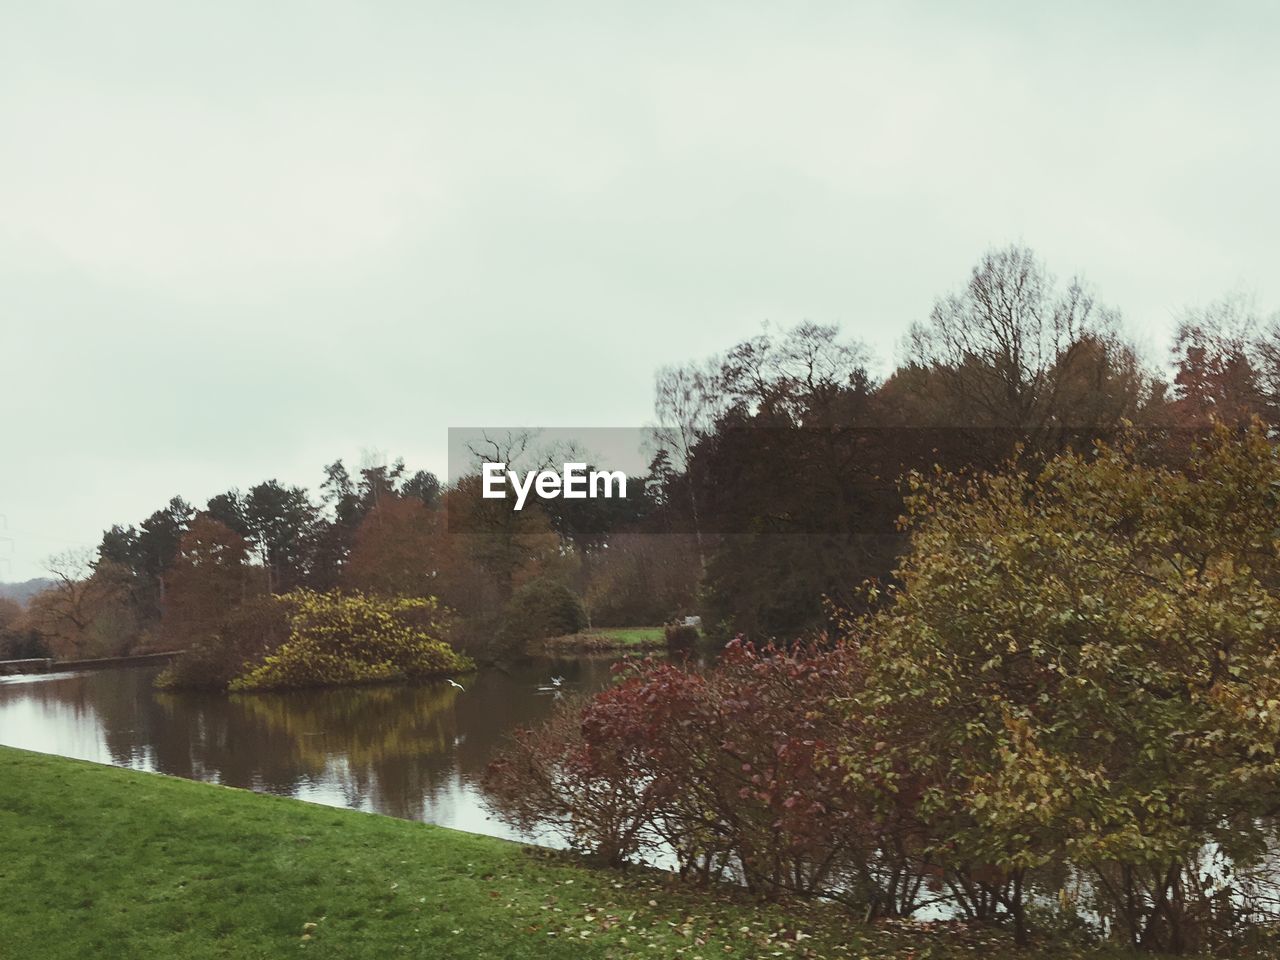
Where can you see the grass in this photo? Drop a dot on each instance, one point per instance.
(635, 636)
(105, 863)
(605, 639)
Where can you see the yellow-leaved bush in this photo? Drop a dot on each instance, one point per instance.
(339, 639)
(330, 639)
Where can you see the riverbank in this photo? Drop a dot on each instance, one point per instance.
(13, 668)
(101, 862)
(602, 640)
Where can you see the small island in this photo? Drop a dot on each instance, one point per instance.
(311, 639)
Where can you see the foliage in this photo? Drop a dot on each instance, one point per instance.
(1227, 366)
(551, 776)
(606, 639)
(86, 613)
(641, 578)
(397, 550)
(732, 770)
(1081, 666)
(263, 876)
(774, 470)
(1075, 681)
(209, 575)
(680, 636)
(1015, 352)
(247, 634)
(542, 608)
(308, 639)
(354, 638)
(18, 639)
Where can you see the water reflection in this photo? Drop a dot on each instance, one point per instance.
(414, 752)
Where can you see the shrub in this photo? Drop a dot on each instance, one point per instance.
(307, 639)
(1080, 664)
(248, 634)
(549, 776)
(540, 609)
(730, 770)
(1074, 681)
(680, 636)
(337, 639)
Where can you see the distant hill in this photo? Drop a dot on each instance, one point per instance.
(22, 592)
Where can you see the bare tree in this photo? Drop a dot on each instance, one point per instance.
(70, 612)
(687, 400)
(1012, 349)
(1227, 360)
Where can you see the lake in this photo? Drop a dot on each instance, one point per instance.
(414, 752)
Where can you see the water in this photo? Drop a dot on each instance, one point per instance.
(414, 752)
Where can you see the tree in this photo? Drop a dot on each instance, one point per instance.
(1013, 355)
(791, 472)
(510, 546)
(142, 555)
(282, 525)
(10, 611)
(1080, 665)
(86, 612)
(423, 485)
(228, 509)
(158, 539)
(540, 609)
(686, 401)
(209, 576)
(338, 639)
(397, 550)
(642, 578)
(1227, 366)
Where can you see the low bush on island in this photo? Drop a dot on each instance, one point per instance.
(309, 639)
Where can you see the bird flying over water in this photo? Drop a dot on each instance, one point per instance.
(455, 683)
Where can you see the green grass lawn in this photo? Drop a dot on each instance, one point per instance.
(605, 639)
(97, 862)
(635, 636)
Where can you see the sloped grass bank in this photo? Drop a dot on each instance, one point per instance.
(101, 862)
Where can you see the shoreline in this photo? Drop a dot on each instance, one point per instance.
(19, 668)
(103, 861)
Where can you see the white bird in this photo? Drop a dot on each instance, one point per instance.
(556, 681)
(455, 683)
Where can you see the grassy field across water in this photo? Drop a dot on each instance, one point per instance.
(98, 862)
(603, 640)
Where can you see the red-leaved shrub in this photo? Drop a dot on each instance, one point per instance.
(731, 770)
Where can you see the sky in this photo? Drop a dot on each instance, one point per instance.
(240, 240)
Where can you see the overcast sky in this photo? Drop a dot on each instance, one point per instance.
(241, 239)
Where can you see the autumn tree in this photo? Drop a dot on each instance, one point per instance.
(146, 552)
(1015, 354)
(18, 640)
(1081, 665)
(10, 611)
(86, 612)
(1227, 366)
(398, 549)
(642, 578)
(209, 576)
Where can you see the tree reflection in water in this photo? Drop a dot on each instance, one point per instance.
(414, 752)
